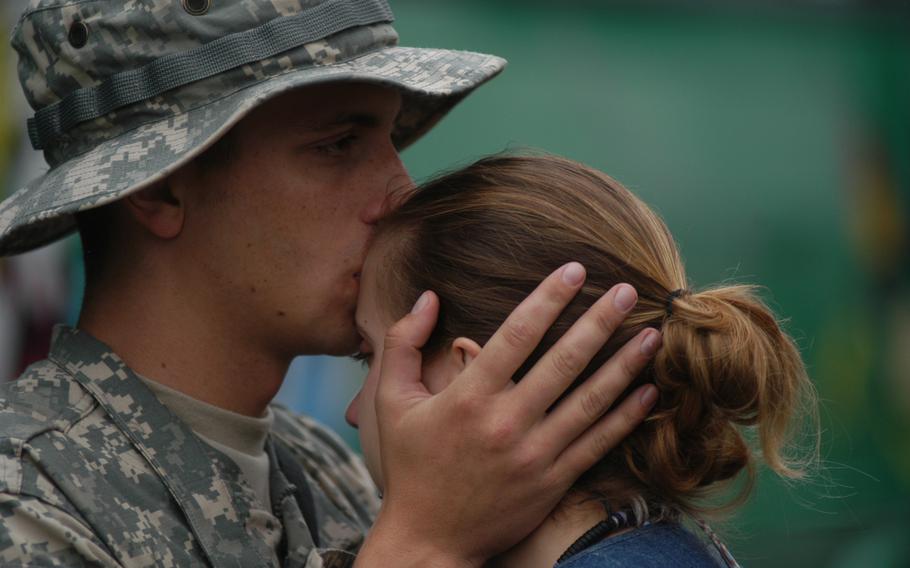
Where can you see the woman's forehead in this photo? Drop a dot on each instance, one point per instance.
(369, 316)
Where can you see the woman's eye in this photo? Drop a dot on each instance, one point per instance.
(336, 146)
(365, 358)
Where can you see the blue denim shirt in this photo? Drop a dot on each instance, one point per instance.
(652, 546)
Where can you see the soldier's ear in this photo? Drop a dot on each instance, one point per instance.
(158, 208)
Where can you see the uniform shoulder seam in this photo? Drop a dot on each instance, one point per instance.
(56, 420)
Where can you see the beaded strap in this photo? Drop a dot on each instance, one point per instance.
(603, 529)
(625, 519)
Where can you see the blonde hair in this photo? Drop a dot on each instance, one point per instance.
(483, 237)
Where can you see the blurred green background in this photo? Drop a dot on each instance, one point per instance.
(775, 141)
(776, 144)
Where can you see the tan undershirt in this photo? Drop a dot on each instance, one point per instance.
(241, 438)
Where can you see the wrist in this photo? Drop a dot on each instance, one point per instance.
(391, 543)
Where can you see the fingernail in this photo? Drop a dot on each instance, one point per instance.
(573, 274)
(650, 342)
(421, 303)
(648, 396)
(625, 298)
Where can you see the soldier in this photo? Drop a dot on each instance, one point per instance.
(224, 163)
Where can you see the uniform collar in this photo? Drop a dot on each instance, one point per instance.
(179, 458)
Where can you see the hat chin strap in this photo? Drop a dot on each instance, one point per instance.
(179, 69)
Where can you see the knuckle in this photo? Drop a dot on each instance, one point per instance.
(501, 433)
(566, 362)
(518, 332)
(394, 336)
(465, 406)
(527, 461)
(593, 404)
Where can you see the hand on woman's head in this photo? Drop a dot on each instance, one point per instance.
(484, 447)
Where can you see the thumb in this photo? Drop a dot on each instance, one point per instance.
(399, 378)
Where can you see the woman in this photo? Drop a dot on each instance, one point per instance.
(482, 238)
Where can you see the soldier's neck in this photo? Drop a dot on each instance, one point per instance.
(160, 335)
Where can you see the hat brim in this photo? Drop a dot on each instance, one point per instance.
(432, 81)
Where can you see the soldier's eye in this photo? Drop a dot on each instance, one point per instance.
(337, 145)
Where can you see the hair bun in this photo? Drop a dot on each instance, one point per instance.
(725, 363)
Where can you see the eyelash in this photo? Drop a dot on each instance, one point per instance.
(336, 146)
(364, 358)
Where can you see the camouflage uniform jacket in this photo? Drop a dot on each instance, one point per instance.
(95, 471)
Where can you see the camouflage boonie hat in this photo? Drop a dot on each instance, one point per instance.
(127, 91)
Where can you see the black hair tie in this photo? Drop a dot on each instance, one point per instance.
(671, 297)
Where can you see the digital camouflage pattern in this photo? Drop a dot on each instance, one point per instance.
(104, 159)
(95, 471)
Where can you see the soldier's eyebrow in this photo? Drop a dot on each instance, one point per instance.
(361, 119)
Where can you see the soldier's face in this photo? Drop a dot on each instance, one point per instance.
(283, 231)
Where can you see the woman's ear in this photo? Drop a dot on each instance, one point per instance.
(158, 208)
(441, 370)
(465, 350)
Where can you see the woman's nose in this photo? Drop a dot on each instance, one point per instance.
(350, 415)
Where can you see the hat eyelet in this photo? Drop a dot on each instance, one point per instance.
(78, 34)
(197, 7)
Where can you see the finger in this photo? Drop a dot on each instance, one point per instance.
(606, 434)
(558, 368)
(517, 337)
(586, 404)
(400, 374)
